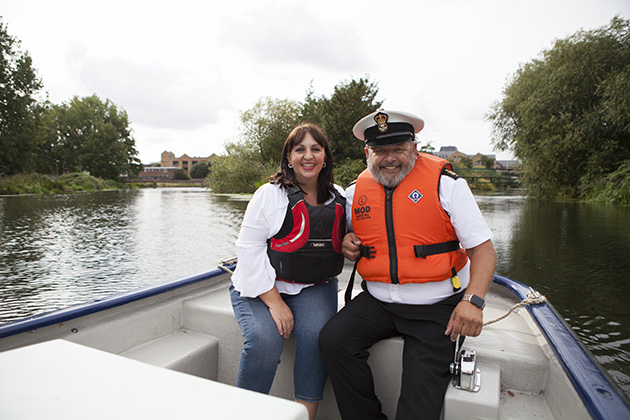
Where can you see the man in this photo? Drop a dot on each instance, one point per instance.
(408, 215)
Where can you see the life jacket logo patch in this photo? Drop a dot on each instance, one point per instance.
(415, 196)
(363, 211)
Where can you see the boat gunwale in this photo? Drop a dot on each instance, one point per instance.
(601, 396)
(66, 314)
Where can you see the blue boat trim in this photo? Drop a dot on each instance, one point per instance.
(63, 315)
(602, 397)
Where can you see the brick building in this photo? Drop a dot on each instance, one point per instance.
(184, 162)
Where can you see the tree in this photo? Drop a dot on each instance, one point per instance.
(240, 171)
(267, 124)
(566, 115)
(351, 100)
(19, 83)
(181, 175)
(200, 170)
(487, 162)
(94, 136)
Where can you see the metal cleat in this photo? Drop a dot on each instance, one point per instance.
(466, 376)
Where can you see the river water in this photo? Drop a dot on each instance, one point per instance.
(62, 250)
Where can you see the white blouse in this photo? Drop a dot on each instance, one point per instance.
(254, 274)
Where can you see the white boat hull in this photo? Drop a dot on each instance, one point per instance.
(188, 327)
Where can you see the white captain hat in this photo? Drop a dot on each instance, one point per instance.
(382, 127)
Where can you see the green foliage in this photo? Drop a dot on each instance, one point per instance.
(181, 175)
(613, 188)
(29, 184)
(94, 136)
(267, 124)
(464, 162)
(35, 136)
(566, 115)
(482, 184)
(46, 184)
(426, 148)
(347, 171)
(489, 179)
(19, 84)
(79, 181)
(487, 162)
(200, 170)
(351, 100)
(240, 171)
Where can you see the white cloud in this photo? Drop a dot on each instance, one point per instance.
(183, 71)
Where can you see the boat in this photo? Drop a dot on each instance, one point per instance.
(172, 350)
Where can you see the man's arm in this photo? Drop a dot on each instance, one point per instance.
(467, 319)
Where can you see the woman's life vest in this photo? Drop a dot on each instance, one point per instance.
(405, 233)
(307, 249)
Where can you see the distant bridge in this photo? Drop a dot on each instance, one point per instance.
(498, 177)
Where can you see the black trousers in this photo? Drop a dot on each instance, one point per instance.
(427, 355)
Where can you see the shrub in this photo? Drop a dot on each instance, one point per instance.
(347, 172)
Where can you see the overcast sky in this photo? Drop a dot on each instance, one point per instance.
(184, 70)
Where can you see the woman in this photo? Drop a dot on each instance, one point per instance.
(289, 254)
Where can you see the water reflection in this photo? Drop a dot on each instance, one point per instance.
(68, 249)
(577, 255)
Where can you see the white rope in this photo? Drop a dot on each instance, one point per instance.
(533, 298)
(222, 264)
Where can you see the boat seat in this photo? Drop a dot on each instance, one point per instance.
(183, 351)
(213, 314)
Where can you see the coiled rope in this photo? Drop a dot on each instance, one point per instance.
(533, 298)
(223, 263)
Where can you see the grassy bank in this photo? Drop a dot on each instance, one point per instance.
(46, 184)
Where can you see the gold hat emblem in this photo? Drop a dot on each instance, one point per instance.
(381, 120)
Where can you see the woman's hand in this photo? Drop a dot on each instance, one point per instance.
(283, 317)
(280, 312)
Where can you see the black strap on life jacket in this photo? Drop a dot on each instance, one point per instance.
(367, 252)
(423, 251)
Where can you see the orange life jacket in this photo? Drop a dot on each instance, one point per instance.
(412, 236)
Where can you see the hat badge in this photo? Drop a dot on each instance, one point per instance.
(381, 120)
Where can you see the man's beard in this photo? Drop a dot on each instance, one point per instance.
(375, 170)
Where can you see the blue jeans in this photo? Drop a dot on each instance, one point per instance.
(311, 308)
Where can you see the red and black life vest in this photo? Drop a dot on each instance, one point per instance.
(307, 249)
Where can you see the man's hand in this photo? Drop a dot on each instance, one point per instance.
(350, 246)
(466, 320)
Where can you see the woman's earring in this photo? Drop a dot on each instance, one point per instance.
(290, 166)
(324, 165)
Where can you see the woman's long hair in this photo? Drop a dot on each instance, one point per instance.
(286, 177)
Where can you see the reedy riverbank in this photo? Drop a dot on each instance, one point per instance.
(47, 184)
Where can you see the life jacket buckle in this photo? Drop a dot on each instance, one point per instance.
(367, 251)
(420, 251)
